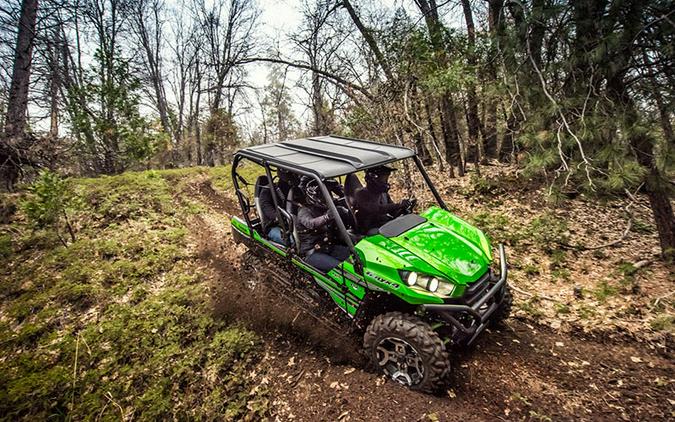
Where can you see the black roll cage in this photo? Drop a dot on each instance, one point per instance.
(245, 206)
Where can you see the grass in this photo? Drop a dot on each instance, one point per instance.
(119, 323)
(663, 323)
(603, 291)
(545, 231)
(561, 309)
(641, 227)
(531, 307)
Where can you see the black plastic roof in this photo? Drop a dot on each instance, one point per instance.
(327, 156)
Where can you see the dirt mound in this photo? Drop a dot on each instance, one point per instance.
(202, 190)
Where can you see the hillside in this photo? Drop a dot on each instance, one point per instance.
(148, 315)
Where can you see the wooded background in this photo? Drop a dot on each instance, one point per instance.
(577, 94)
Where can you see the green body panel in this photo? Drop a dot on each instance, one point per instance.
(342, 284)
(444, 246)
(450, 245)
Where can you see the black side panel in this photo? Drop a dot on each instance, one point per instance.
(401, 225)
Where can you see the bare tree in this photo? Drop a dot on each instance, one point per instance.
(184, 81)
(147, 24)
(472, 119)
(12, 149)
(227, 27)
(319, 40)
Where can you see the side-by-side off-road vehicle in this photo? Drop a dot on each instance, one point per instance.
(422, 283)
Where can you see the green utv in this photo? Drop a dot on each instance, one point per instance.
(422, 283)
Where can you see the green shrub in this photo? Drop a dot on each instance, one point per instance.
(5, 245)
(48, 202)
(663, 323)
(548, 231)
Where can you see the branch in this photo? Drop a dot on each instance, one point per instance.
(604, 245)
(623, 235)
(335, 78)
(368, 36)
(526, 293)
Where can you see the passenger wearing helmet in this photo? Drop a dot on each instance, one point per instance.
(373, 206)
(313, 225)
(287, 180)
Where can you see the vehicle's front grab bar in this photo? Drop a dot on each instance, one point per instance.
(481, 317)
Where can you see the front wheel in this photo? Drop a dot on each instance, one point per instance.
(504, 309)
(407, 350)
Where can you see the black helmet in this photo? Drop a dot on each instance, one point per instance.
(313, 195)
(287, 176)
(374, 178)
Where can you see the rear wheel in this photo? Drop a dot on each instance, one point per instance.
(407, 350)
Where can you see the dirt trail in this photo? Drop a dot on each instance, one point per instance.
(520, 372)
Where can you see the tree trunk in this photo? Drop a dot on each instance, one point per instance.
(317, 106)
(490, 130)
(450, 134)
(15, 122)
(414, 129)
(507, 149)
(472, 120)
(432, 133)
(11, 153)
(54, 89)
(369, 39)
(495, 25)
(197, 128)
(448, 116)
(642, 144)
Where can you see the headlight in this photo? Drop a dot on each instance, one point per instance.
(428, 282)
(445, 288)
(412, 278)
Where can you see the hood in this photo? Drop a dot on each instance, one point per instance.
(444, 242)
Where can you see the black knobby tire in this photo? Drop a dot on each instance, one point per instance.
(504, 310)
(417, 334)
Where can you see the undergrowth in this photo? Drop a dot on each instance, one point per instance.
(118, 324)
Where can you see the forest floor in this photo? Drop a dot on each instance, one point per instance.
(590, 338)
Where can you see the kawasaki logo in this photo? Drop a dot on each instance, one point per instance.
(382, 280)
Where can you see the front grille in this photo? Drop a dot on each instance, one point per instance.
(475, 289)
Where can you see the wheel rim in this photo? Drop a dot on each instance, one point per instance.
(400, 361)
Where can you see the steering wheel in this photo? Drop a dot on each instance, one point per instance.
(411, 206)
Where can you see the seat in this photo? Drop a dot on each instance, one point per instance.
(353, 185)
(261, 183)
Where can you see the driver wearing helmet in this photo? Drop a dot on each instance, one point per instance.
(313, 225)
(373, 206)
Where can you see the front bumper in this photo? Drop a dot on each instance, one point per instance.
(473, 315)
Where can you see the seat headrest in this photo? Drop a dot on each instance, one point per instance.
(293, 198)
(260, 183)
(352, 184)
